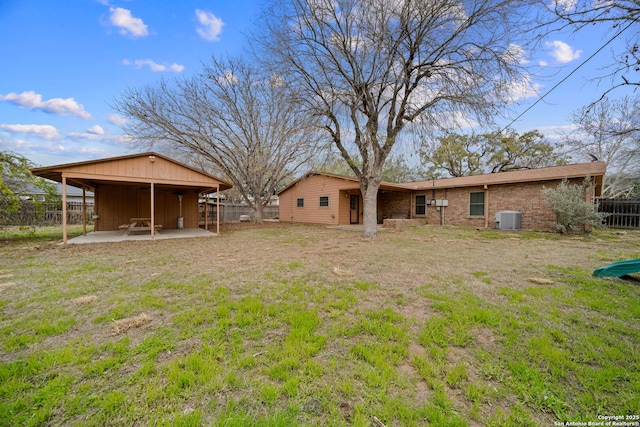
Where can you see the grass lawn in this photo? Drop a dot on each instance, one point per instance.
(290, 325)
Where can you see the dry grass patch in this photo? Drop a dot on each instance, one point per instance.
(541, 281)
(6, 285)
(123, 325)
(85, 299)
(341, 273)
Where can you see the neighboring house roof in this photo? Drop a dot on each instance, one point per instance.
(84, 172)
(351, 183)
(593, 169)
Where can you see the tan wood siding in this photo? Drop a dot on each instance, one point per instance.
(311, 189)
(140, 169)
(117, 204)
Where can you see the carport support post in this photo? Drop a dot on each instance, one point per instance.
(205, 196)
(153, 213)
(84, 210)
(218, 209)
(64, 209)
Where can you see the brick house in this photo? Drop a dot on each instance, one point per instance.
(324, 198)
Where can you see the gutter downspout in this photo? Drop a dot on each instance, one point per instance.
(486, 204)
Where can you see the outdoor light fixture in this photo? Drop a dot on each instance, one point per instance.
(152, 159)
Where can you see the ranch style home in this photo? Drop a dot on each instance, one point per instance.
(325, 198)
(140, 192)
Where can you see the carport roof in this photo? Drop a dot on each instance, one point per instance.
(136, 168)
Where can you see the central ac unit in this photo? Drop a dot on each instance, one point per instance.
(509, 220)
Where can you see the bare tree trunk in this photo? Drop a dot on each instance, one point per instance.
(259, 209)
(369, 190)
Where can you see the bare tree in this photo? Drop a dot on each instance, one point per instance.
(609, 132)
(620, 16)
(244, 123)
(371, 68)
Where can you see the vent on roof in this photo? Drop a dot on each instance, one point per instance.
(509, 220)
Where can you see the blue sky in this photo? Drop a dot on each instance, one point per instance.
(64, 61)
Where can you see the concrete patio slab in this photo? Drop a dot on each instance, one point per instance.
(354, 227)
(117, 236)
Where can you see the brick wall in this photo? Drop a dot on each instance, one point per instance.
(522, 197)
(394, 202)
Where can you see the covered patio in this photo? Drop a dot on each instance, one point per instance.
(142, 193)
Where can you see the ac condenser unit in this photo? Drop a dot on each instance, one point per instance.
(509, 220)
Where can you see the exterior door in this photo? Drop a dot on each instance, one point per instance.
(354, 209)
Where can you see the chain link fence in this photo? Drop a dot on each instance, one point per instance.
(30, 212)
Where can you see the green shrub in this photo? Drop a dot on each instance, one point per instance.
(573, 212)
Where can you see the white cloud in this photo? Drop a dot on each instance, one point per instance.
(85, 136)
(228, 78)
(518, 90)
(563, 5)
(562, 52)
(515, 54)
(41, 131)
(128, 24)
(154, 66)
(211, 25)
(555, 130)
(116, 119)
(96, 130)
(57, 106)
(102, 138)
(543, 63)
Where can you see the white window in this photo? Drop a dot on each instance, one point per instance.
(324, 201)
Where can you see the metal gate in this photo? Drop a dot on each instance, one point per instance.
(623, 213)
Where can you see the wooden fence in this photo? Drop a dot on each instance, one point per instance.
(623, 213)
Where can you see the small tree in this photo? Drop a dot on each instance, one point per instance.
(16, 180)
(573, 213)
